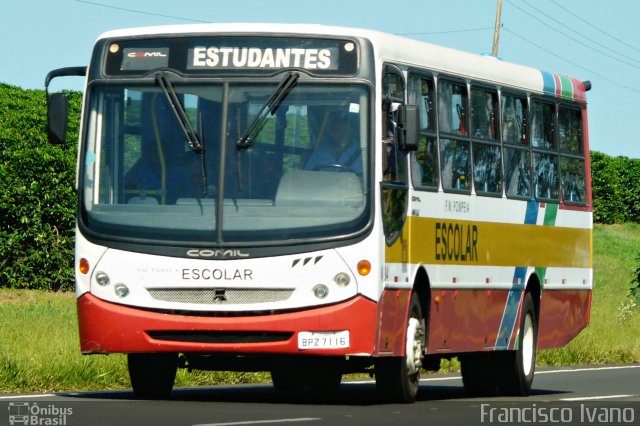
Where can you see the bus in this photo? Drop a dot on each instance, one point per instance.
(224, 224)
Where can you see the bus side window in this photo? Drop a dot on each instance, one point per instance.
(487, 155)
(394, 186)
(546, 177)
(487, 168)
(452, 108)
(424, 161)
(517, 158)
(569, 134)
(542, 128)
(545, 158)
(455, 151)
(456, 164)
(572, 168)
(484, 111)
(517, 164)
(514, 120)
(573, 180)
(394, 168)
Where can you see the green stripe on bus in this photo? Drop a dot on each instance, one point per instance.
(550, 214)
(567, 87)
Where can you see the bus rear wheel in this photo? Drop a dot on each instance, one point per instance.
(398, 378)
(152, 374)
(519, 366)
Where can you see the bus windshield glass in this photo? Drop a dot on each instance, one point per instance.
(303, 176)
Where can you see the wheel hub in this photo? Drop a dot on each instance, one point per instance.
(415, 333)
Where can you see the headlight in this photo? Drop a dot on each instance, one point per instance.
(121, 290)
(321, 291)
(342, 279)
(102, 279)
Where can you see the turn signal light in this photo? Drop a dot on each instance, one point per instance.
(364, 267)
(83, 266)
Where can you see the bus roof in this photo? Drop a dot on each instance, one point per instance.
(400, 50)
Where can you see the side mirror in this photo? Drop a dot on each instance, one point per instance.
(408, 127)
(57, 118)
(58, 105)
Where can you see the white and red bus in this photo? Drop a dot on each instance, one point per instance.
(313, 201)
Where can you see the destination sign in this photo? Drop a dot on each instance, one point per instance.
(231, 54)
(215, 57)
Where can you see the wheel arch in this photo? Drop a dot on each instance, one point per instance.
(535, 289)
(422, 286)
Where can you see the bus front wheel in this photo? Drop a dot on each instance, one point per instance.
(152, 374)
(398, 378)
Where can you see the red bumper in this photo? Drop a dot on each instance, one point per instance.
(110, 328)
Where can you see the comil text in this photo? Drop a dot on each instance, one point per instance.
(456, 242)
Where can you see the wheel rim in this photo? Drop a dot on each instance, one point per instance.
(527, 346)
(414, 346)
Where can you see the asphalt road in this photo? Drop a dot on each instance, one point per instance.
(577, 395)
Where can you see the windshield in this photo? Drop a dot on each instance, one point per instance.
(302, 176)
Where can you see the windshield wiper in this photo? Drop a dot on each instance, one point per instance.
(270, 107)
(195, 142)
(183, 119)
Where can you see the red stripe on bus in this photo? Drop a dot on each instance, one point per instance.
(111, 328)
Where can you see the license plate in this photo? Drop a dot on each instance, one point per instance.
(323, 340)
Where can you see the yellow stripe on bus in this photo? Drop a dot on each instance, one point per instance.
(458, 242)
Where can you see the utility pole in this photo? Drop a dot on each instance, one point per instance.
(496, 32)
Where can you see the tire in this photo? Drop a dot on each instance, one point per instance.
(520, 364)
(398, 378)
(479, 373)
(152, 375)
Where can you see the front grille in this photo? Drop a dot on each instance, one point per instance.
(220, 296)
(220, 336)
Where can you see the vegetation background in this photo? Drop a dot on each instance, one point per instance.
(39, 348)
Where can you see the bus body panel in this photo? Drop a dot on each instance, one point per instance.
(391, 330)
(108, 328)
(563, 315)
(244, 285)
(479, 254)
(466, 320)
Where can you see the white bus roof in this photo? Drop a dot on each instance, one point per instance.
(399, 50)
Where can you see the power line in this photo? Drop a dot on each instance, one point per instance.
(571, 37)
(462, 30)
(594, 26)
(577, 32)
(142, 12)
(590, 71)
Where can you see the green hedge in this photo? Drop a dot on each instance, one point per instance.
(37, 196)
(616, 188)
(38, 200)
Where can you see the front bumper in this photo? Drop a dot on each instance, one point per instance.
(106, 327)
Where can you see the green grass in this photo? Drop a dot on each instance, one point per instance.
(612, 336)
(40, 350)
(39, 345)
